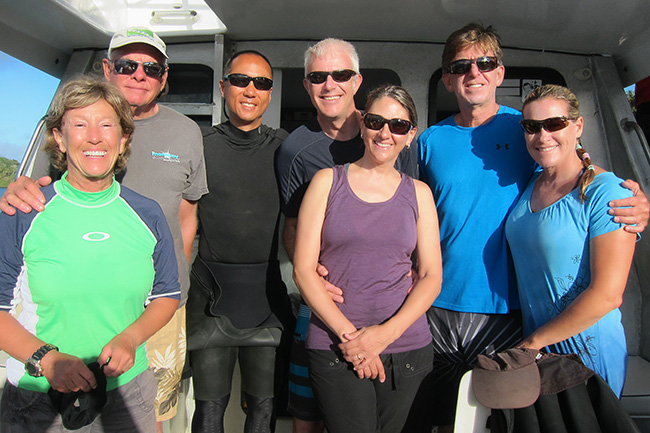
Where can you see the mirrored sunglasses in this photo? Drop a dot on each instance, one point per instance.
(128, 67)
(242, 80)
(340, 76)
(463, 66)
(551, 124)
(396, 126)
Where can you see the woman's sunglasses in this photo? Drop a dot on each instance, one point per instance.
(340, 76)
(396, 126)
(242, 80)
(463, 66)
(551, 124)
(128, 67)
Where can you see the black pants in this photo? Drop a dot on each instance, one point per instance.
(355, 405)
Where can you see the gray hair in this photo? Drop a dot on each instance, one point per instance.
(332, 44)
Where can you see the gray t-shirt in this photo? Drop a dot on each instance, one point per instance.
(166, 165)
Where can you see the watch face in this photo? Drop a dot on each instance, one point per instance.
(32, 369)
(33, 364)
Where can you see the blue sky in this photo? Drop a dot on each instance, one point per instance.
(25, 93)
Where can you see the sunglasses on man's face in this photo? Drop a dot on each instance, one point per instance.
(242, 80)
(128, 67)
(463, 66)
(551, 124)
(340, 76)
(396, 126)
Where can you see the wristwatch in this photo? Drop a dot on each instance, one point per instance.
(33, 364)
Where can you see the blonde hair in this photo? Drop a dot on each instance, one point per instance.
(80, 92)
(473, 34)
(563, 94)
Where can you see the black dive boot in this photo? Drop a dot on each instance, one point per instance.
(209, 414)
(259, 415)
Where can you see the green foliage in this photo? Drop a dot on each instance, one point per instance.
(8, 169)
(630, 99)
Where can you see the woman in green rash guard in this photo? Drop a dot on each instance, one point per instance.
(94, 273)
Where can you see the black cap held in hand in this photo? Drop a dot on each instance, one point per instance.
(78, 409)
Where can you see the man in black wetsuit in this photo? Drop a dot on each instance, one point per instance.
(238, 305)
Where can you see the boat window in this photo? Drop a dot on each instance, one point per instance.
(188, 83)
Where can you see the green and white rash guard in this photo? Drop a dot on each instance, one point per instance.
(84, 269)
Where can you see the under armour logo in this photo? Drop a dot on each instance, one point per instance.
(505, 146)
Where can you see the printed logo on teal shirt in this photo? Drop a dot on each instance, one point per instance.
(165, 156)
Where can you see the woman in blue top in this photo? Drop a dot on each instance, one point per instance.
(571, 259)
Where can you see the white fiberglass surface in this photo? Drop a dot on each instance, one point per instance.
(165, 17)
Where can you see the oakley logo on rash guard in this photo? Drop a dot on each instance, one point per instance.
(95, 236)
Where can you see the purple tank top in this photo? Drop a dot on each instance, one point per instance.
(367, 248)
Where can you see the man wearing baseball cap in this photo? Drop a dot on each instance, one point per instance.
(166, 165)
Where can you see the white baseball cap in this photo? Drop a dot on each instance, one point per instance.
(137, 35)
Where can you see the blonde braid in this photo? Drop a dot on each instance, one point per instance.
(588, 173)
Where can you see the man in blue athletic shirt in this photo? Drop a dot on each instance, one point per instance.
(477, 165)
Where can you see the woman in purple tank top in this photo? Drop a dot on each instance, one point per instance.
(363, 222)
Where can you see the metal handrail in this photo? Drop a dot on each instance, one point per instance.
(30, 154)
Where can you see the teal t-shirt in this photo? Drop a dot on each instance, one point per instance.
(550, 249)
(84, 269)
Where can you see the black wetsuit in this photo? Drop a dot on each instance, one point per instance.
(238, 304)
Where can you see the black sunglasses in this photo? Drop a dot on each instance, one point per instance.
(396, 126)
(463, 66)
(128, 67)
(242, 80)
(551, 124)
(340, 76)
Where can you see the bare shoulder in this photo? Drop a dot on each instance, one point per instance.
(323, 177)
(422, 190)
(320, 185)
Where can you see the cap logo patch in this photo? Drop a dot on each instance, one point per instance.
(140, 32)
